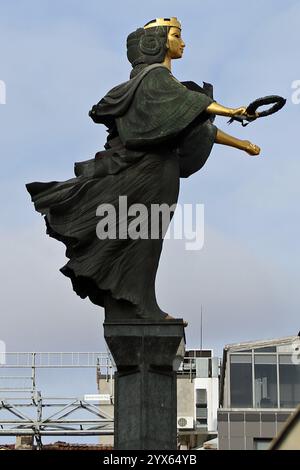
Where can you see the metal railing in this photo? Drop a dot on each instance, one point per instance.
(25, 410)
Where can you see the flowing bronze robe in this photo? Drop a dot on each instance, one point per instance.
(158, 132)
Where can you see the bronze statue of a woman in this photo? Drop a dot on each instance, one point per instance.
(158, 131)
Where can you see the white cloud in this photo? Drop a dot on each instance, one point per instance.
(244, 296)
(39, 310)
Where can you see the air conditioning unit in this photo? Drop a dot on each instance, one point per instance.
(185, 422)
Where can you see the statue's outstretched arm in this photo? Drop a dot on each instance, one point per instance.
(216, 108)
(246, 145)
(226, 139)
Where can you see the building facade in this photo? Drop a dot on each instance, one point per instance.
(197, 398)
(259, 389)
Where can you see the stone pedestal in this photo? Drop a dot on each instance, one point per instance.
(147, 355)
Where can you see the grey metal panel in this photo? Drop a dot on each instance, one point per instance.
(237, 429)
(237, 443)
(223, 443)
(201, 367)
(223, 429)
(249, 443)
(282, 417)
(236, 416)
(222, 416)
(268, 417)
(268, 430)
(252, 429)
(252, 417)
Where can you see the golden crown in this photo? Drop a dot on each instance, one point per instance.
(171, 22)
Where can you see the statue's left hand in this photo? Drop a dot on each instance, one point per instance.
(250, 148)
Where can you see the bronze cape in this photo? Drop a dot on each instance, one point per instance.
(158, 131)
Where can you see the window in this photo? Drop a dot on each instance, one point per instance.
(265, 381)
(266, 349)
(289, 378)
(201, 407)
(241, 380)
(269, 378)
(261, 444)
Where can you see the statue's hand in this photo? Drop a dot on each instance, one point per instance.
(242, 111)
(250, 148)
(239, 111)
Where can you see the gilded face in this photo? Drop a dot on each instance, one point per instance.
(175, 43)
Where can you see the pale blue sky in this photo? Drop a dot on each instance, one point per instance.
(58, 58)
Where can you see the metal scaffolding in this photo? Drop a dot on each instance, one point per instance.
(24, 410)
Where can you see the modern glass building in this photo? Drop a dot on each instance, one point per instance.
(260, 387)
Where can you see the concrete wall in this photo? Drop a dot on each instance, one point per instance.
(185, 397)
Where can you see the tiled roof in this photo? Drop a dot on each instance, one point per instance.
(59, 445)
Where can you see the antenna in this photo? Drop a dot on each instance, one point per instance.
(201, 330)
